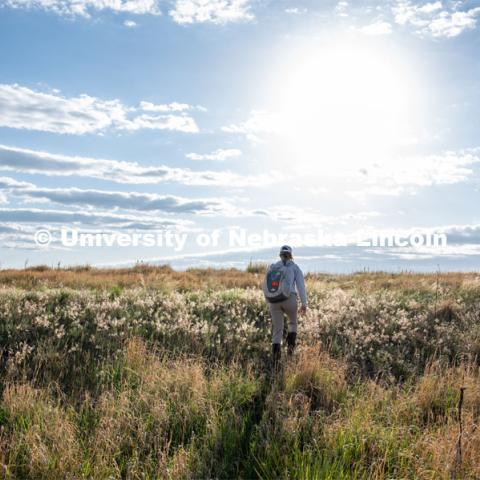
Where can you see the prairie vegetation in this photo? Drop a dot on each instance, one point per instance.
(148, 373)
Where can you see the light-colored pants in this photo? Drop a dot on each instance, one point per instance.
(288, 306)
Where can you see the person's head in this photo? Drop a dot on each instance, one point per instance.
(286, 253)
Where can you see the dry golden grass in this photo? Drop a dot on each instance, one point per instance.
(161, 277)
(170, 394)
(178, 419)
(44, 438)
(319, 378)
(164, 277)
(434, 396)
(437, 448)
(432, 407)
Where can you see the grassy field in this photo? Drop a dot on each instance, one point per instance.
(148, 373)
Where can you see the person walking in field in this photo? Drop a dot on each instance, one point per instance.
(283, 282)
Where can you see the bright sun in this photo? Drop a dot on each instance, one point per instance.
(344, 105)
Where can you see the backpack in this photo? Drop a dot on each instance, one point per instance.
(275, 286)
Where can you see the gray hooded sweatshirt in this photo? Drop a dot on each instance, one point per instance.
(295, 279)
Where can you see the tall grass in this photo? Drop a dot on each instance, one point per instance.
(158, 417)
(127, 381)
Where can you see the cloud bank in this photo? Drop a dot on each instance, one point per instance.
(24, 108)
(435, 19)
(84, 8)
(22, 160)
(182, 12)
(211, 11)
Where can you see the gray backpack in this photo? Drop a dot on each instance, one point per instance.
(275, 285)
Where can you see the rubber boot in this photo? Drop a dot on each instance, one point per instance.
(291, 339)
(276, 353)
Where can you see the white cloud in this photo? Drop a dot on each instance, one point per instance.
(462, 240)
(211, 11)
(95, 200)
(183, 11)
(179, 123)
(168, 107)
(409, 174)
(446, 169)
(408, 13)
(341, 8)
(36, 162)
(295, 10)
(430, 7)
(462, 234)
(220, 154)
(259, 124)
(108, 200)
(7, 182)
(69, 218)
(452, 24)
(434, 19)
(302, 218)
(84, 8)
(376, 28)
(24, 108)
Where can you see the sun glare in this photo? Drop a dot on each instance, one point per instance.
(345, 105)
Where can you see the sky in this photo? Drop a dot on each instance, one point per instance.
(210, 132)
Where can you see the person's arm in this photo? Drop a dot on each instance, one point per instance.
(300, 283)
